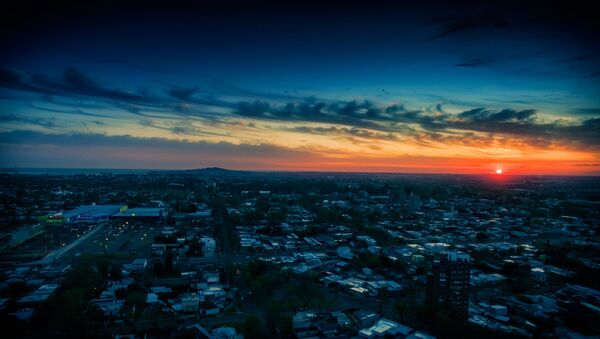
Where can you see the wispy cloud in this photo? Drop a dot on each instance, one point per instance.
(73, 82)
(346, 132)
(40, 122)
(468, 22)
(94, 150)
(178, 108)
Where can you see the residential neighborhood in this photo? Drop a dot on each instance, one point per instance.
(225, 254)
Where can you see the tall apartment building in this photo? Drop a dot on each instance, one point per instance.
(448, 283)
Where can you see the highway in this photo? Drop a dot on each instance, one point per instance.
(57, 253)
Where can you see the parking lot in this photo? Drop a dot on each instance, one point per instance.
(120, 238)
(53, 237)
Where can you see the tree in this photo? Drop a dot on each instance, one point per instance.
(230, 272)
(402, 310)
(115, 272)
(481, 236)
(195, 249)
(136, 298)
(383, 297)
(169, 263)
(95, 314)
(70, 305)
(158, 269)
(16, 289)
(252, 326)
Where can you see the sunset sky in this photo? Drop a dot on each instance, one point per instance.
(433, 88)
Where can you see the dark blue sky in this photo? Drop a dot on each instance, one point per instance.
(177, 72)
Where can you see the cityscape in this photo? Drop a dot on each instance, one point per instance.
(220, 253)
(299, 170)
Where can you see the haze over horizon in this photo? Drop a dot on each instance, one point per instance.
(431, 88)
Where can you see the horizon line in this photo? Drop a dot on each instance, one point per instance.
(13, 169)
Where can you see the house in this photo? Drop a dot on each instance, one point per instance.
(151, 298)
(303, 324)
(42, 294)
(137, 265)
(209, 308)
(209, 246)
(159, 249)
(226, 333)
(365, 319)
(212, 277)
(343, 321)
(538, 274)
(23, 314)
(189, 302)
(384, 328)
(345, 252)
(109, 306)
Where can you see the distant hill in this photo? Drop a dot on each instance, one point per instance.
(212, 171)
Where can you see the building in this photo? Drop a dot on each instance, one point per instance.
(140, 213)
(137, 265)
(345, 252)
(42, 294)
(303, 324)
(226, 333)
(190, 302)
(385, 328)
(448, 283)
(414, 202)
(209, 245)
(92, 213)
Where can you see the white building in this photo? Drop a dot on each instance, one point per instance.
(190, 302)
(137, 265)
(385, 327)
(345, 252)
(209, 245)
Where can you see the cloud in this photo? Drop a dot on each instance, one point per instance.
(588, 165)
(40, 122)
(468, 22)
(74, 87)
(575, 59)
(73, 83)
(586, 111)
(187, 95)
(76, 81)
(221, 88)
(182, 106)
(365, 115)
(127, 64)
(361, 114)
(23, 148)
(101, 140)
(73, 112)
(483, 115)
(183, 93)
(347, 132)
(13, 79)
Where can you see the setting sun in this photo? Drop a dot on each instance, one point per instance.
(499, 171)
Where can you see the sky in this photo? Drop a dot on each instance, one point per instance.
(368, 87)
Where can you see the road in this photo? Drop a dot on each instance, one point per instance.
(57, 253)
